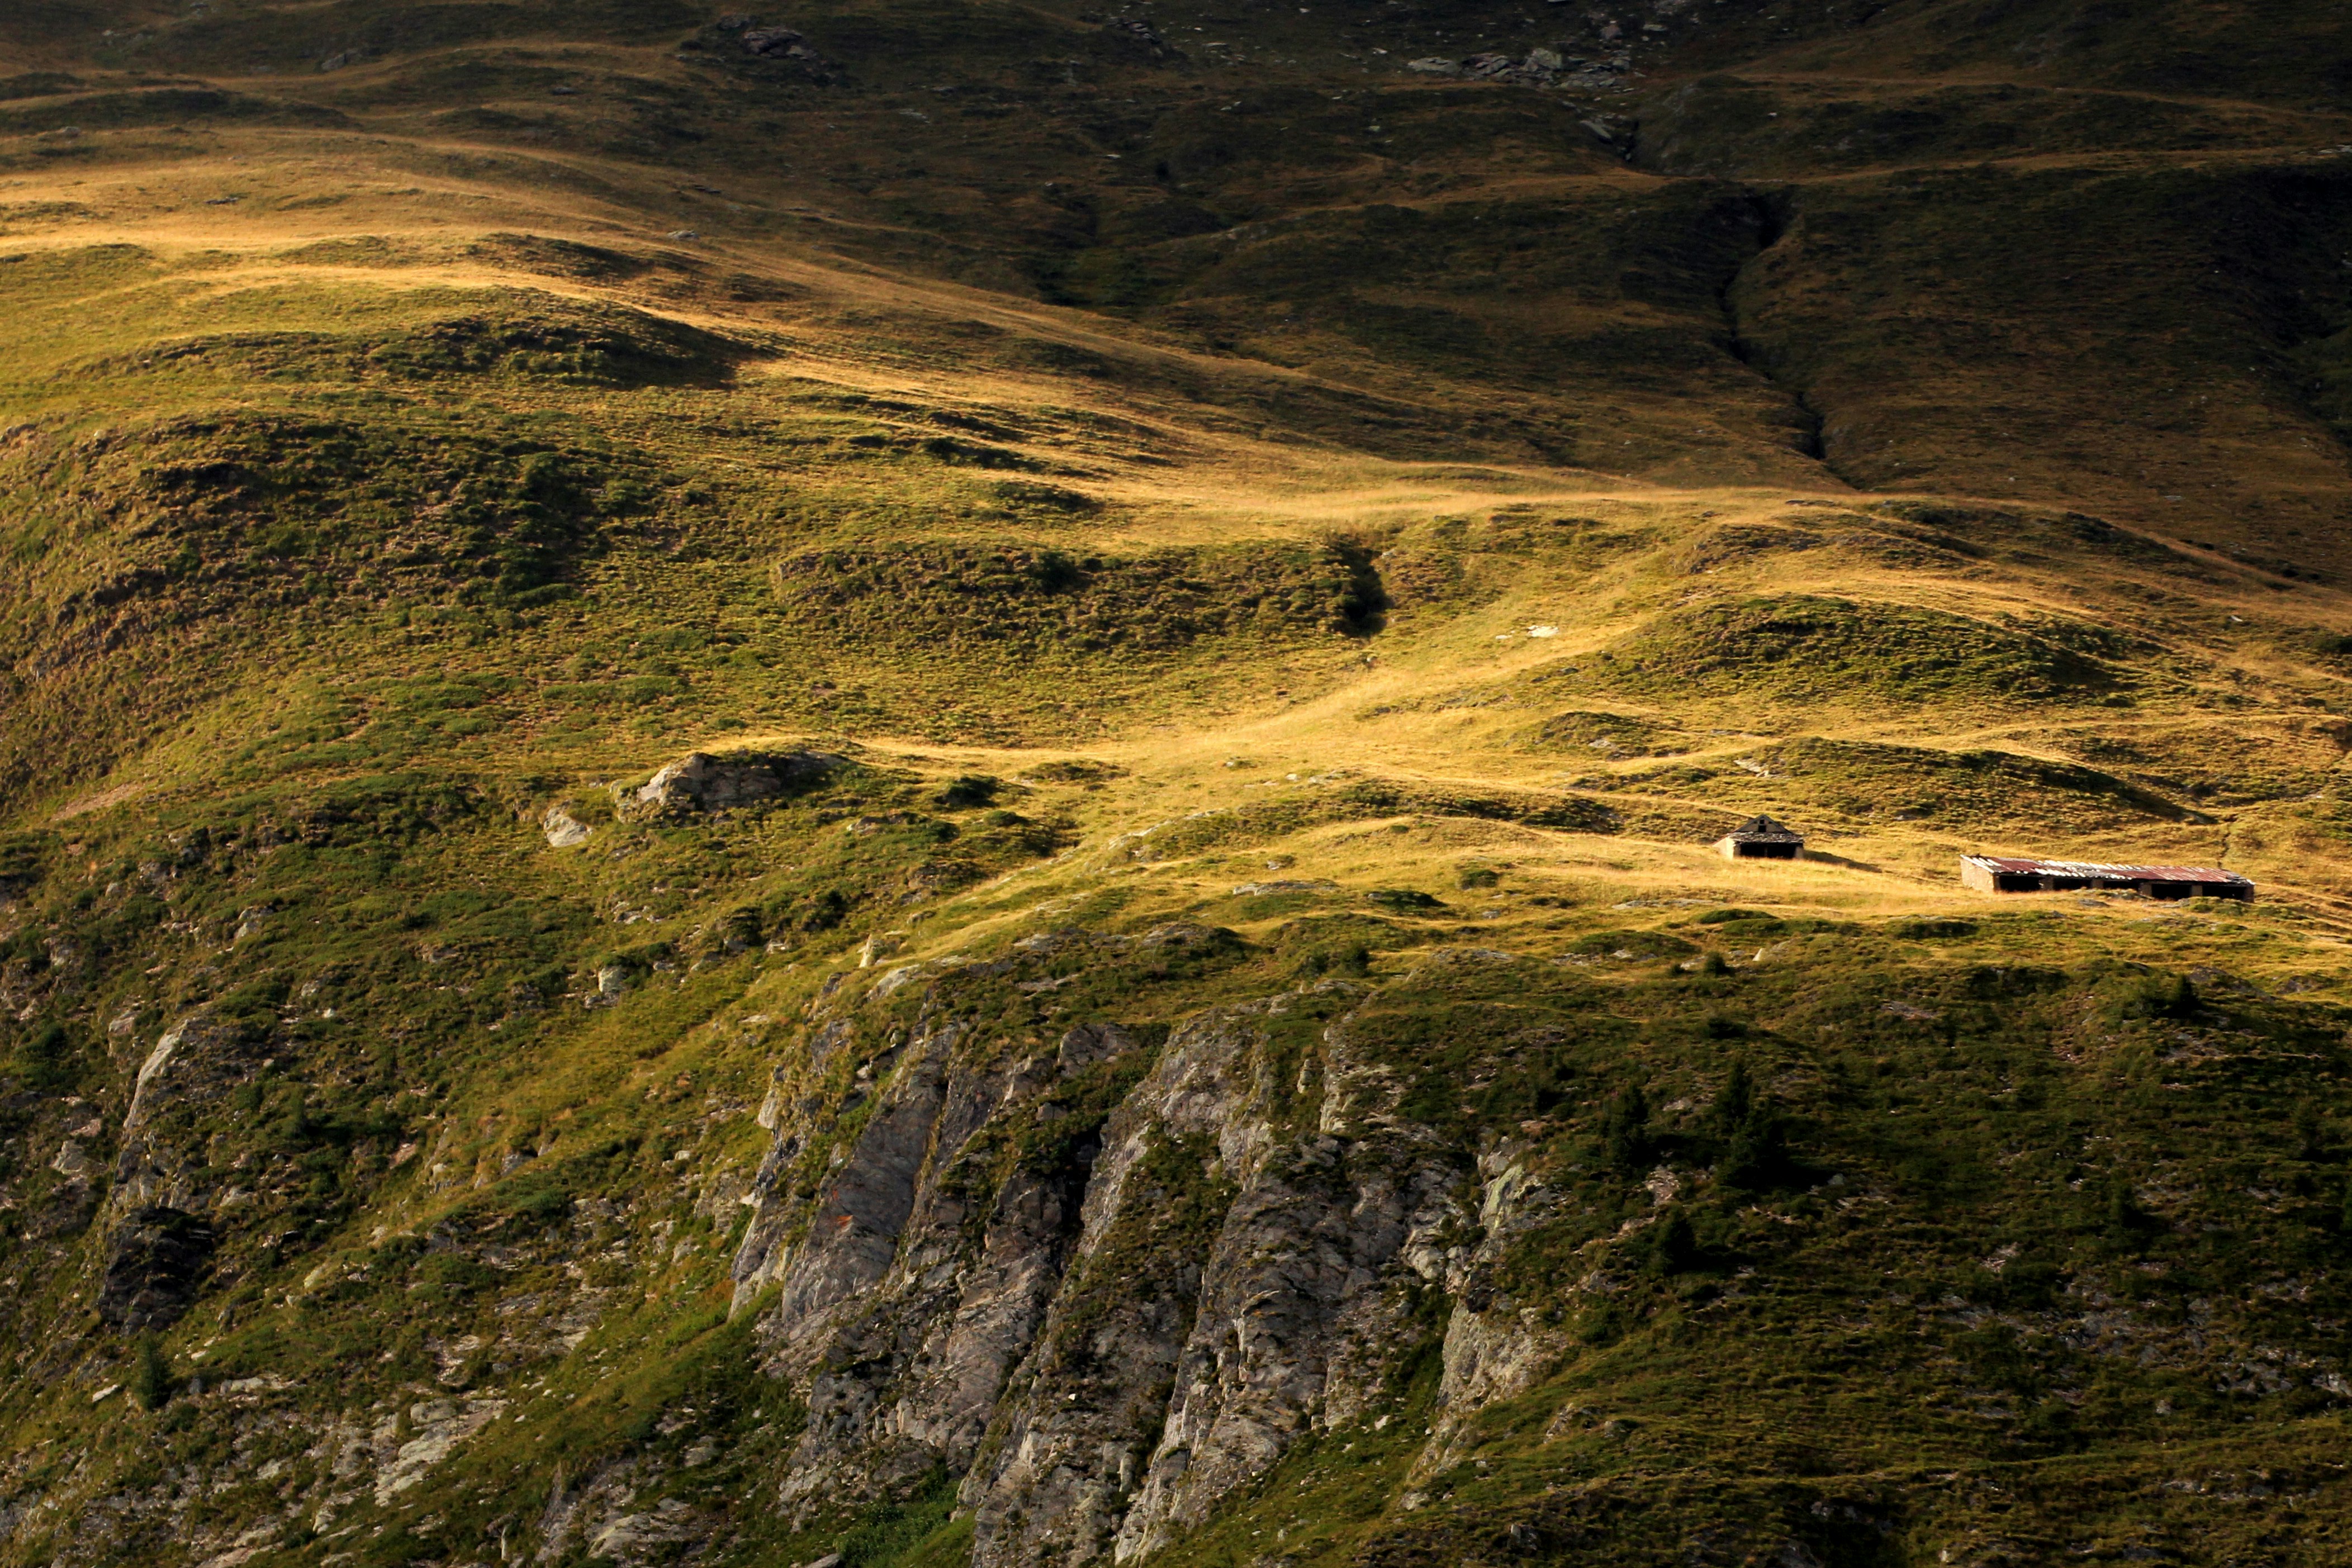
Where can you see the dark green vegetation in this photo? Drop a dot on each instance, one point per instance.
(1920, 1237)
(1839, 1225)
(1445, 465)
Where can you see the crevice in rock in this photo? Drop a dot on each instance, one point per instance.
(1807, 422)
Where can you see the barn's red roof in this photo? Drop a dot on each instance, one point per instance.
(2101, 868)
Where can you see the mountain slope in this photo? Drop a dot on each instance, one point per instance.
(933, 782)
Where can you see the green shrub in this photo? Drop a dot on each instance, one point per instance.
(1625, 1138)
(151, 1375)
(890, 1532)
(2168, 997)
(971, 791)
(1672, 1244)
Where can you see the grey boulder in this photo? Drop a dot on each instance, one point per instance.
(704, 781)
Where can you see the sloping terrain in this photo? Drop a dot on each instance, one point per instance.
(904, 783)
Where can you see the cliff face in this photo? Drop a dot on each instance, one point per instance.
(1133, 1314)
(1106, 1276)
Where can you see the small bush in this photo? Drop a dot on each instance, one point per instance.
(1075, 770)
(972, 789)
(448, 1275)
(1632, 944)
(1752, 1136)
(1353, 959)
(2172, 997)
(151, 1375)
(1625, 1130)
(1673, 1244)
(2310, 1132)
(2125, 1220)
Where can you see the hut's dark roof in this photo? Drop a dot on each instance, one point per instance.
(1765, 830)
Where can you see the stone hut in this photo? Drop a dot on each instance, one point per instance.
(1762, 838)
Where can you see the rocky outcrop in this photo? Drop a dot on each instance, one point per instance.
(193, 1067)
(782, 42)
(1298, 1302)
(1134, 40)
(154, 1264)
(1495, 1348)
(700, 782)
(437, 1427)
(1545, 67)
(928, 1258)
(770, 41)
(1106, 1283)
(563, 830)
(1305, 1250)
(71, 1205)
(1079, 1432)
(150, 1074)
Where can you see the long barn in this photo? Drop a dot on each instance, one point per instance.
(1992, 873)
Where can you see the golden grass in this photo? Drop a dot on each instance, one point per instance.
(429, 197)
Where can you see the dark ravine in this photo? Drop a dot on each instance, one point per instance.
(1807, 424)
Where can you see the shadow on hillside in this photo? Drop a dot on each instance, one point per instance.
(1821, 857)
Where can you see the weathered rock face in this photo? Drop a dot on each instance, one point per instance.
(1495, 1348)
(563, 830)
(605, 1515)
(205, 1153)
(154, 1263)
(193, 1067)
(700, 782)
(437, 1427)
(1108, 1278)
(777, 41)
(927, 1257)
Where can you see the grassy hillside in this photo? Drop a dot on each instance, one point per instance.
(933, 782)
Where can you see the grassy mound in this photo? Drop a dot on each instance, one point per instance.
(1815, 649)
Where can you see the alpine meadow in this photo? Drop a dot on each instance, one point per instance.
(1194, 783)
